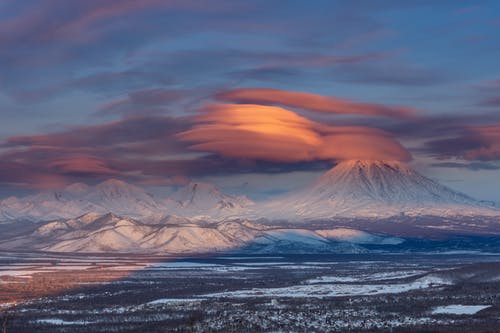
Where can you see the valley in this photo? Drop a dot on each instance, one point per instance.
(248, 293)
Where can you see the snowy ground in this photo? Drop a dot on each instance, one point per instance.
(320, 293)
(459, 309)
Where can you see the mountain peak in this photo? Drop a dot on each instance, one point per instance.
(367, 169)
(364, 164)
(204, 198)
(373, 188)
(77, 188)
(113, 182)
(383, 181)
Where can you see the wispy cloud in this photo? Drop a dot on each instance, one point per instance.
(313, 102)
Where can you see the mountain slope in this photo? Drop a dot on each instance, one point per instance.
(198, 199)
(352, 189)
(77, 199)
(95, 233)
(366, 188)
(118, 197)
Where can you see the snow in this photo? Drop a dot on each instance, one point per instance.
(174, 301)
(368, 277)
(118, 197)
(95, 233)
(248, 258)
(459, 309)
(356, 188)
(180, 265)
(333, 290)
(56, 321)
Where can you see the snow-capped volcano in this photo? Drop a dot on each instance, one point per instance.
(371, 188)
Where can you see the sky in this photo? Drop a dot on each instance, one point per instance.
(258, 97)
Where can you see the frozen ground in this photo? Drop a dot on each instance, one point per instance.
(312, 293)
(459, 309)
(335, 290)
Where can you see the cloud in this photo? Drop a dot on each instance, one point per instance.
(469, 143)
(80, 164)
(112, 135)
(312, 102)
(52, 46)
(143, 150)
(249, 131)
(88, 153)
(475, 166)
(489, 149)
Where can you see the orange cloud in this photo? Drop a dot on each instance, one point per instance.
(313, 102)
(270, 133)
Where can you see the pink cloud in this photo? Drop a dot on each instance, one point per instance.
(249, 131)
(313, 102)
(81, 164)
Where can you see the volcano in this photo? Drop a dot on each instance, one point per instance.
(372, 188)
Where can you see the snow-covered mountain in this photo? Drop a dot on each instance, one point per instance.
(77, 199)
(369, 188)
(198, 199)
(96, 233)
(353, 189)
(121, 198)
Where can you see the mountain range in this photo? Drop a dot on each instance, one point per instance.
(95, 233)
(196, 199)
(356, 188)
(346, 208)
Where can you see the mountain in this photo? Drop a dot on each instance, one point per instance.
(375, 189)
(110, 233)
(298, 241)
(77, 199)
(122, 198)
(356, 204)
(46, 205)
(103, 233)
(199, 200)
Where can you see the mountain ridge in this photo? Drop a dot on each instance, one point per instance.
(351, 189)
(121, 198)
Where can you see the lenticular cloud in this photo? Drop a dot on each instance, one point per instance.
(251, 131)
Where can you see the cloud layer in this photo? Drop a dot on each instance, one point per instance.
(251, 131)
